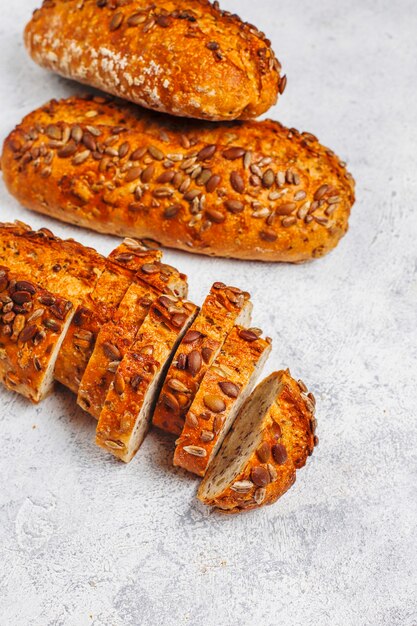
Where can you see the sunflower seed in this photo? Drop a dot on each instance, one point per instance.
(242, 486)
(214, 403)
(279, 453)
(195, 451)
(237, 182)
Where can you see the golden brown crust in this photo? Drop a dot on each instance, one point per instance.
(223, 307)
(113, 341)
(147, 278)
(185, 58)
(126, 414)
(254, 190)
(143, 258)
(32, 326)
(288, 438)
(96, 309)
(229, 379)
(58, 265)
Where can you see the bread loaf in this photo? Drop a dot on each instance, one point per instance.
(33, 325)
(270, 439)
(222, 309)
(126, 415)
(253, 190)
(185, 58)
(225, 386)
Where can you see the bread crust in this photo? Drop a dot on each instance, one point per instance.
(149, 278)
(127, 411)
(221, 310)
(288, 423)
(96, 309)
(184, 58)
(209, 418)
(61, 266)
(32, 326)
(254, 190)
(113, 341)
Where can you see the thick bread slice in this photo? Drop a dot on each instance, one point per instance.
(271, 437)
(224, 388)
(127, 411)
(152, 278)
(33, 324)
(113, 341)
(222, 309)
(186, 58)
(253, 190)
(61, 266)
(95, 310)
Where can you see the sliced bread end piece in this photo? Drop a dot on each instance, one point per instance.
(127, 411)
(34, 324)
(223, 390)
(271, 437)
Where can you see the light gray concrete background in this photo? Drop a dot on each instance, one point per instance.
(88, 541)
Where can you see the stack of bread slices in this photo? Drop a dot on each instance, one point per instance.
(119, 331)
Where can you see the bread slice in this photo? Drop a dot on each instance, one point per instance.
(271, 437)
(222, 309)
(61, 266)
(224, 388)
(113, 341)
(97, 309)
(33, 324)
(152, 278)
(127, 411)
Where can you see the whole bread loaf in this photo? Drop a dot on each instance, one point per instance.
(183, 57)
(252, 190)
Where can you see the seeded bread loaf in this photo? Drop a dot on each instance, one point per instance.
(222, 309)
(126, 415)
(225, 386)
(270, 439)
(185, 58)
(33, 324)
(254, 190)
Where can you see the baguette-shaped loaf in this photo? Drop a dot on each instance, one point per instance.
(254, 190)
(32, 326)
(270, 439)
(222, 309)
(127, 412)
(185, 58)
(224, 388)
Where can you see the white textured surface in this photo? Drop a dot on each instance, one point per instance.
(87, 541)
